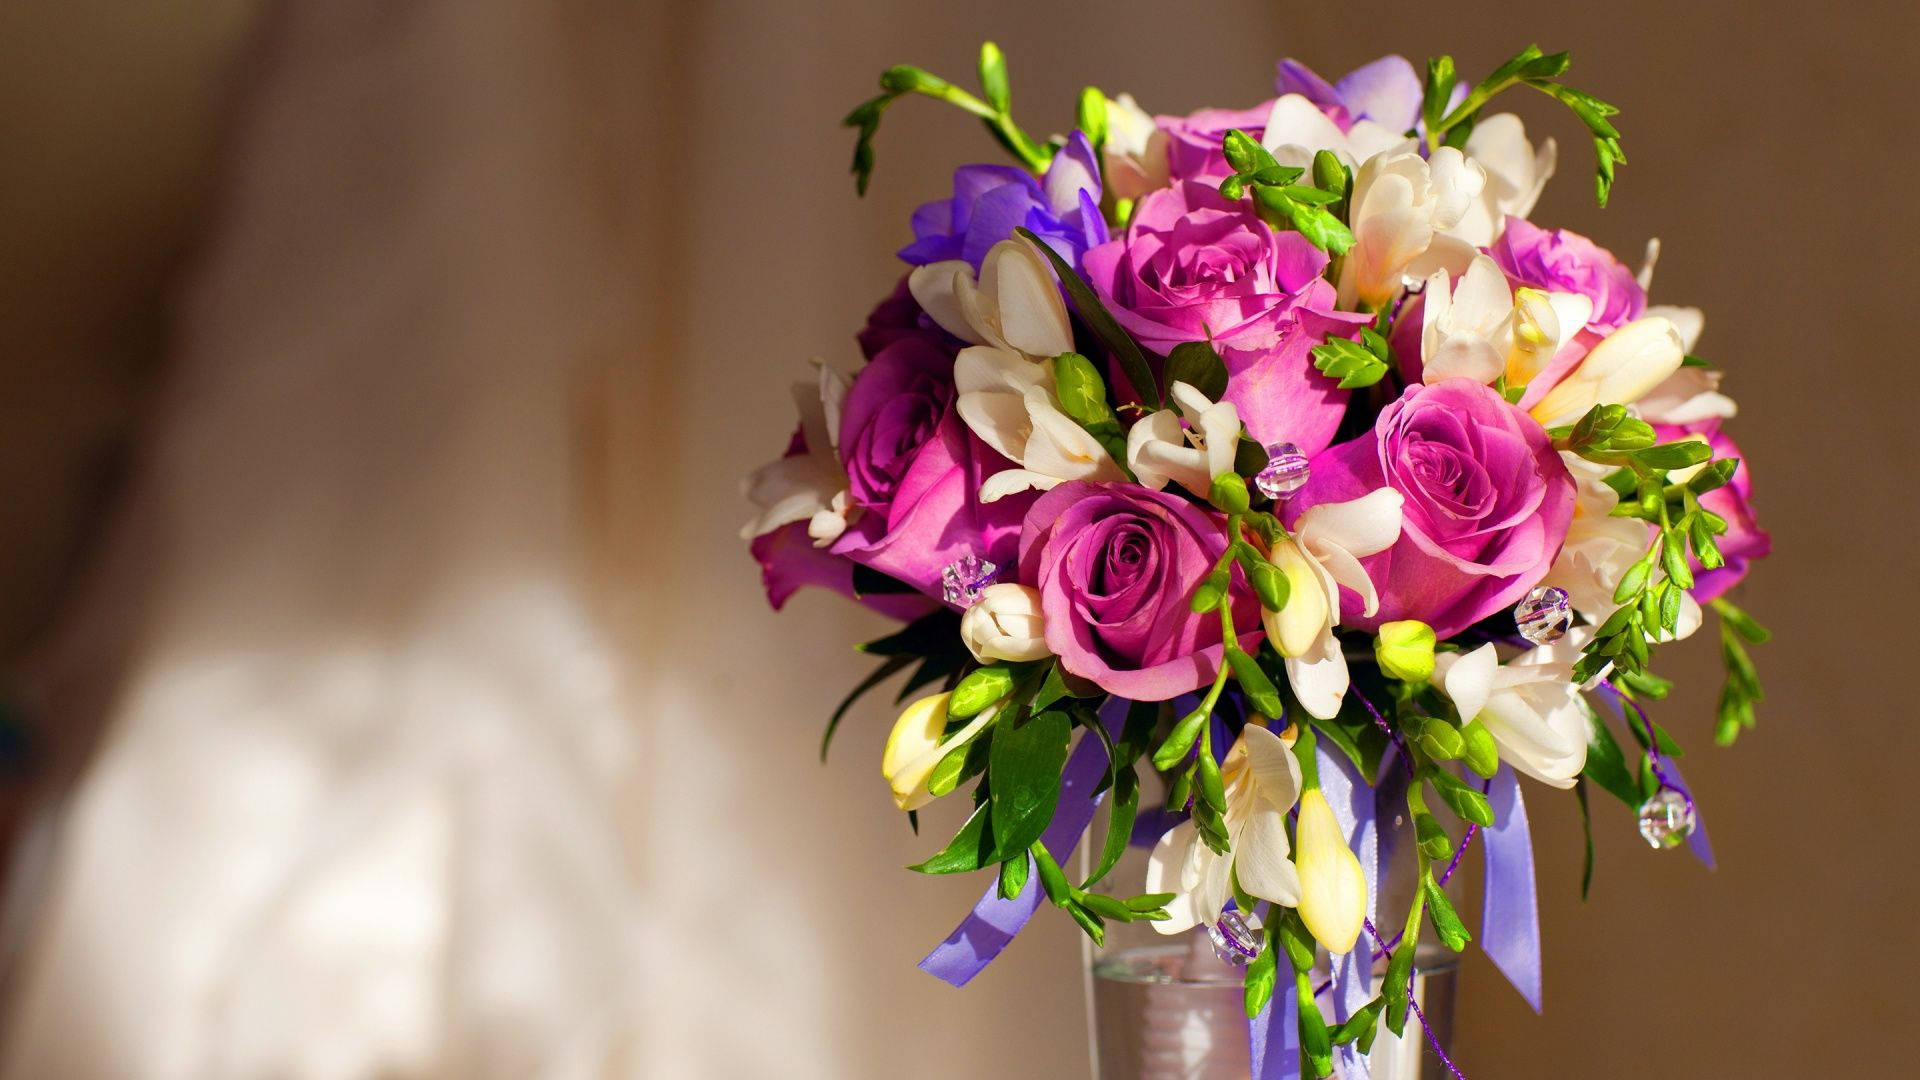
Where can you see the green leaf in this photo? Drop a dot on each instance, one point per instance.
(1348, 361)
(1013, 875)
(1197, 364)
(1123, 808)
(1133, 363)
(1052, 689)
(1024, 771)
(891, 666)
(970, 849)
(1446, 921)
(1606, 764)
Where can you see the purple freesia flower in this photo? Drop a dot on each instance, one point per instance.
(1116, 566)
(1487, 503)
(1744, 540)
(1195, 267)
(990, 201)
(1559, 260)
(1387, 91)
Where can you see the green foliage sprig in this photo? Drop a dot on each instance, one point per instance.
(1528, 67)
(1282, 201)
(994, 108)
(1651, 591)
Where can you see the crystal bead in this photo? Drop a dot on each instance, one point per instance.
(1233, 940)
(1543, 615)
(1666, 820)
(965, 578)
(1285, 473)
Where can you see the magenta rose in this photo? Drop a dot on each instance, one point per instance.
(1193, 141)
(1488, 503)
(789, 561)
(1116, 566)
(1744, 540)
(914, 471)
(1561, 261)
(1195, 267)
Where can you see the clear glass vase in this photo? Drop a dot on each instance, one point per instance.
(1171, 1010)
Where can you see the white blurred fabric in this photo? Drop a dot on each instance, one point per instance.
(363, 806)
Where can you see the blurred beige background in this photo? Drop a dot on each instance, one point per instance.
(427, 341)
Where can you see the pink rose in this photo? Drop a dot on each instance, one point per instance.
(1116, 566)
(1745, 540)
(1193, 142)
(1559, 260)
(914, 470)
(1195, 267)
(1488, 503)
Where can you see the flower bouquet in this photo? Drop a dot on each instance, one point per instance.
(1267, 477)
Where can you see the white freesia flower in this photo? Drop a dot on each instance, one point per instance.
(1005, 623)
(1296, 129)
(1159, 449)
(1403, 204)
(915, 746)
(1481, 329)
(1016, 319)
(1009, 403)
(1262, 782)
(1323, 554)
(1621, 369)
(1014, 306)
(1530, 705)
(1692, 394)
(1515, 176)
(1333, 888)
(1135, 153)
(809, 487)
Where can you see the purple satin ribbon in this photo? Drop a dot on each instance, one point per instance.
(1273, 1037)
(1697, 841)
(1353, 807)
(994, 921)
(1510, 916)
